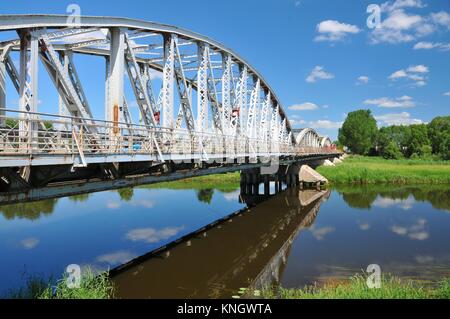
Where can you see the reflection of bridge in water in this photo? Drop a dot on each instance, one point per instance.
(248, 249)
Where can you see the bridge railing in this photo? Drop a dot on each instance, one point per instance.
(26, 133)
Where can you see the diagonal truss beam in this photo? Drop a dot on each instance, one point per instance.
(68, 90)
(139, 85)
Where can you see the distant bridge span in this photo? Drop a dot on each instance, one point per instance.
(198, 108)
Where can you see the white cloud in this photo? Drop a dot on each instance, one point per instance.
(424, 259)
(400, 26)
(116, 258)
(324, 124)
(416, 231)
(364, 226)
(401, 102)
(363, 79)
(332, 30)
(432, 45)
(414, 73)
(152, 235)
(113, 205)
(233, 195)
(401, 4)
(295, 122)
(146, 203)
(447, 93)
(441, 18)
(398, 74)
(403, 118)
(307, 106)
(29, 243)
(385, 202)
(297, 3)
(320, 233)
(154, 74)
(319, 73)
(418, 69)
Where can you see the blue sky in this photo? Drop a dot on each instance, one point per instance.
(319, 56)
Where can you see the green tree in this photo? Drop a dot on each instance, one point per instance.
(418, 138)
(392, 151)
(126, 194)
(359, 131)
(398, 134)
(205, 195)
(439, 135)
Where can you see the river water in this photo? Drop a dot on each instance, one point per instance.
(292, 238)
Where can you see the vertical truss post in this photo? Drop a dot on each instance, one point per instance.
(62, 108)
(226, 92)
(202, 89)
(282, 135)
(252, 111)
(107, 98)
(168, 81)
(116, 73)
(242, 98)
(263, 127)
(274, 124)
(2, 91)
(28, 91)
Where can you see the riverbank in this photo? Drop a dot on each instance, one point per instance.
(222, 182)
(100, 287)
(356, 288)
(92, 286)
(376, 170)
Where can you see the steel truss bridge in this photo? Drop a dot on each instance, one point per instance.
(199, 108)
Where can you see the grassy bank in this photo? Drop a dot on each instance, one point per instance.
(223, 182)
(92, 286)
(372, 170)
(356, 288)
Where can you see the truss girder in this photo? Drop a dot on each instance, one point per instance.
(233, 100)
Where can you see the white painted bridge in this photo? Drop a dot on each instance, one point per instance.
(195, 107)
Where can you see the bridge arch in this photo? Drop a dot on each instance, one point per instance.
(308, 137)
(232, 96)
(325, 141)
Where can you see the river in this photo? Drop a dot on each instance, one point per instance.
(292, 238)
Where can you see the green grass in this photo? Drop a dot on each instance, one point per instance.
(223, 182)
(92, 286)
(356, 288)
(376, 170)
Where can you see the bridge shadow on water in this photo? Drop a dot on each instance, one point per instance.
(247, 249)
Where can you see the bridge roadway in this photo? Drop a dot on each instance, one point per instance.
(235, 120)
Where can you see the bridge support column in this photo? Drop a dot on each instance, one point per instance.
(243, 183)
(28, 90)
(266, 185)
(115, 79)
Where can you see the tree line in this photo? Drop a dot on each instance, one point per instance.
(360, 135)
